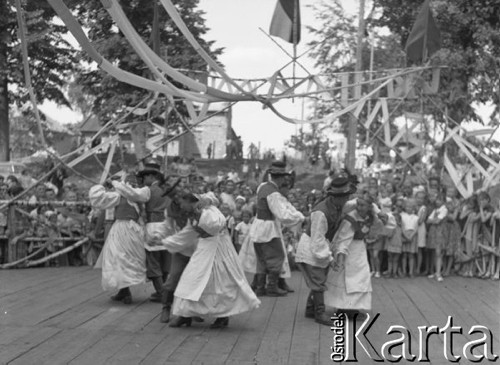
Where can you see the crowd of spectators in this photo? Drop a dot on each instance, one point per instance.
(429, 228)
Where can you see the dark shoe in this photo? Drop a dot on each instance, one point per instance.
(310, 306)
(272, 289)
(319, 309)
(165, 315)
(260, 285)
(198, 319)
(127, 299)
(284, 286)
(220, 323)
(118, 297)
(180, 321)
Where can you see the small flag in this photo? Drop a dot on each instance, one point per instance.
(286, 21)
(424, 38)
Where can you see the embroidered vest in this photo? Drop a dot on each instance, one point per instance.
(263, 211)
(124, 211)
(332, 214)
(155, 207)
(361, 228)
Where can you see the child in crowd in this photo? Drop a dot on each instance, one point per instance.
(409, 228)
(394, 243)
(452, 236)
(420, 198)
(468, 220)
(242, 229)
(435, 241)
(485, 233)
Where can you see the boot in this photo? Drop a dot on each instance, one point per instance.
(310, 306)
(158, 285)
(124, 295)
(272, 286)
(180, 321)
(168, 297)
(319, 309)
(118, 297)
(220, 323)
(165, 314)
(283, 285)
(260, 285)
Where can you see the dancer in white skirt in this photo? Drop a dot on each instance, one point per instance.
(213, 283)
(123, 258)
(349, 284)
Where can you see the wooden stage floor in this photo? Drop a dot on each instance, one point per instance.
(61, 316)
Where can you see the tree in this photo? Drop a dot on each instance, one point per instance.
(110, 96)
(333, 49)
(51, 60)
(470, 36)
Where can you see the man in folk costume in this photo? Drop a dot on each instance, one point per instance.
(273, 210)
(179, 214)
(313, 256)
(157, 259)
(123, 258)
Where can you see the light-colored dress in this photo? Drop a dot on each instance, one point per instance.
(422, 229)
(409, 227)
(350, 288)
(123, 258)
(213, 283)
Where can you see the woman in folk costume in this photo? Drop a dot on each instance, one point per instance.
(213, 282)
(263, 252)
(123, 258)
(313, 256)
(349, 284)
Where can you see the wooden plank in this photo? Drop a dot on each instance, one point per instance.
(274, 347)
(23, 345)
(249, 342)
(221, 342)
(169, 344)
(103, 350)
(60, 348)
(134, 351)
(305, 346)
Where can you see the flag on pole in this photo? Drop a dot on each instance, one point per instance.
(424, 38)
(286, 21)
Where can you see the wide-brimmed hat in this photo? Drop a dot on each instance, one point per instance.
(340, 185)
(151, 167)
(278, 168)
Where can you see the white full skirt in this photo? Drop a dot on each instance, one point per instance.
(213, 283)
(123, 258)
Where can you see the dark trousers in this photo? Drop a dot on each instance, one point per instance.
(314, 276)
(178, 263)
(270, 256)
(157, 264)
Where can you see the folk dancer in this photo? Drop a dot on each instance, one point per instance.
(213, 282)
(313, 256)
(273, 210)
(158, 258)
(123, 258)
(180, 212)
(349, 283)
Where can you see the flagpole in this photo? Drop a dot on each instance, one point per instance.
(353, 123)
(295, 36)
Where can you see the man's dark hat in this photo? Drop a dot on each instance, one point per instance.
(340, 185)
(151, 167)
(278, 168)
